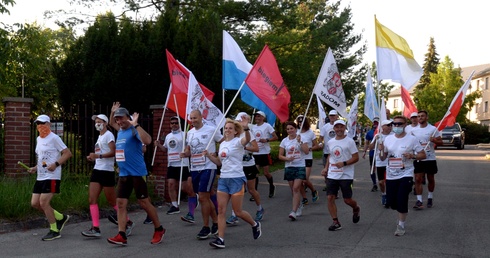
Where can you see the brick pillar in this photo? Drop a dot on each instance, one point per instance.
(17, 134)
(159, 170)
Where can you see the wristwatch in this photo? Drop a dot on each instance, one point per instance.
(345, 163)
(57, 163)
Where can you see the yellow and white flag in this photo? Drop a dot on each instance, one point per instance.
(395, 59)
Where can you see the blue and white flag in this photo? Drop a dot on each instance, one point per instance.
(235, 70)
(371, 108)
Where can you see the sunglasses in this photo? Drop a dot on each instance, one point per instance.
(174, 123)
(389, 125)
(398, 124)
(40, 123)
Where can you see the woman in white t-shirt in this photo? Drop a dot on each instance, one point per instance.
(103, 174)
(231, 184)
(309, 137)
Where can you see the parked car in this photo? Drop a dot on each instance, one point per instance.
(453, 136)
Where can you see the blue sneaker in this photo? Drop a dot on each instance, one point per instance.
(232, 220)
(383, 199)
(315, 196)
(259, 215)
(188, 218)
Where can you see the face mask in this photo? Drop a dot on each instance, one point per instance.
(43, 130)
(398, 130)
(99, 126)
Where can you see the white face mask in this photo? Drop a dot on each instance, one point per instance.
(398, 130)
(99, 126)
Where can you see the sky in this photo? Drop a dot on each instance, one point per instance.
(457, 26)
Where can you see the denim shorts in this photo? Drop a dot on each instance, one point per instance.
(292, 173)
(232, 185)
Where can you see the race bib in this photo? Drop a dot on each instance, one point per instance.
(173, 157)
(120, 156)
(395, 163)
(333, 168)
(198, 159)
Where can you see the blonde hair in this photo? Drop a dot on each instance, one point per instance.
(238, 126)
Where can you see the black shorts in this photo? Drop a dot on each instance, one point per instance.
(104, 178)
(381, 173)
(426, 166)
(308, 163)
(47, 186)
(345, 185)
(397, 192)
(251, 172)
(126, 184)
(174, 173)
(263, 160)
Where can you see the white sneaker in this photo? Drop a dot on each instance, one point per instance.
(400, 231)
(292, 215)
(299, 212)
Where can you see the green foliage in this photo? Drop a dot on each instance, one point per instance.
(4, 6)
(476, 133)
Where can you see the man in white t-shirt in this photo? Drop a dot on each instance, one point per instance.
(327, 133)
(414, 119)
(264, 133)
(339, 170)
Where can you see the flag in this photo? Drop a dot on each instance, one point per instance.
(328, 86)
(179, 76)
(352, 119)
(395, 59)
(382, 111)
(266, 82)
(235, 70)
(450, 117)
(409, 106)
(321, 114)
(371, 108)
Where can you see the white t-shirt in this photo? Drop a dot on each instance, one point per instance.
(308, 137)
(48, 151)
(423, 136)
(292, 148)
(263, 131)
(101, 147)
(409, 128)
(340, 151)
(198, 141)
(328, 133)
(398, 165)
(173, 144)
(231, 156)
(379, 162)
(248, 158)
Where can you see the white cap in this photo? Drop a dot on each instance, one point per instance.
(100, 116)
(43, 119)
(342, 122)
(240, 115)
(260, 113)
(386, 122)
(376, 119)
(414, 114)
(333, 113)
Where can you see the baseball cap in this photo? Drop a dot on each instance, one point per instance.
(414, 114)
(342, 122)
(43, 118)
(386, 122)
(333, 113)
(299, 117)
(376, 119)
(101, 116)
(121, 112)
(260, 113)
(239, 116)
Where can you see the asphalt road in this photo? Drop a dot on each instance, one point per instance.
(457, 226)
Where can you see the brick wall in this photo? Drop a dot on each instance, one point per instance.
(17, 134)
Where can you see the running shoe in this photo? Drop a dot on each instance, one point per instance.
(429, 203)
(51, 235)
(304, 201)
(204, 233)
(259, 215)
(92, 232)
(299, 211)
(218, 243)
(257, 230)
(400, 231)
(188, 218)
(335, 226)
(148, 220)
(356, 216)
(383, 199)
(252, 199)
(374, 189)
(232, 220)
(173, 210)
(112, 218)
(118, 240)
(315, 196)
(418, 205)
(292, 215)
(157, 237)
(214, 229)
(272, 191)
(61, 223)
(129, 227)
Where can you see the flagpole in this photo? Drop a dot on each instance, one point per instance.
(306, 112)
(161, 123)
(224, 114)
(182, 159)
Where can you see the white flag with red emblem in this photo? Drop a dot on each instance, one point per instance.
(328, 86)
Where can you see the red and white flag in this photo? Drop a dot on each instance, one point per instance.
(266, 83)
(409, 107)
(450, 117)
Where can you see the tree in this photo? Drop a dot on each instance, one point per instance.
(431, 62)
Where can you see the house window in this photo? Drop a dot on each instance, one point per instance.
(486, 83)
(485, 108)
(477, 84)
(395, 104)
(476, 108)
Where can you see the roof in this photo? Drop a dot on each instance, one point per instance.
(480, 70)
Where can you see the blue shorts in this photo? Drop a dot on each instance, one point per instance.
(292, 173)
(202, 180)
(232, 185)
